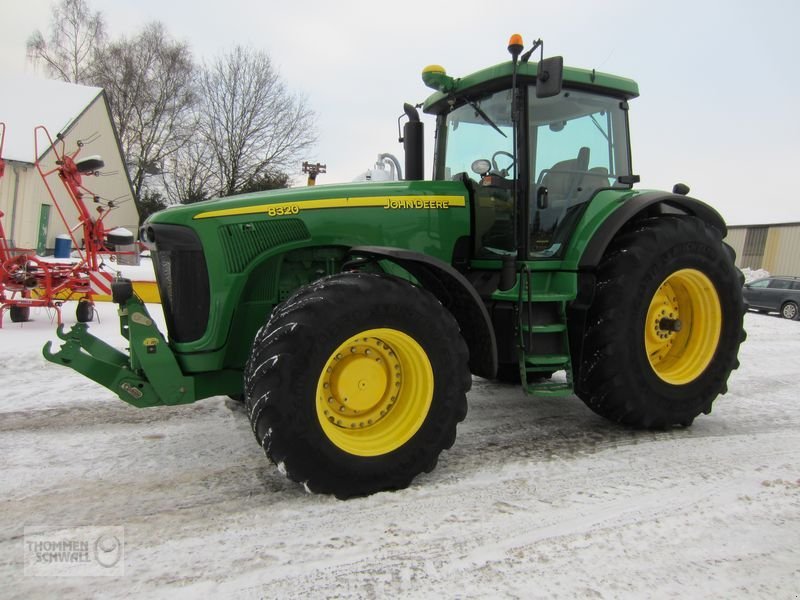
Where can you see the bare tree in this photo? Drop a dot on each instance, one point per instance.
(253, 126)
(150, 83)
(188, 175)
(75, 34)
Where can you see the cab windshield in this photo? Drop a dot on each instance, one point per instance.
(479, 130)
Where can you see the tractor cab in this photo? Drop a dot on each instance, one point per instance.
(532, 163)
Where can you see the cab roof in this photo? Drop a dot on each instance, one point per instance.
(573, 78)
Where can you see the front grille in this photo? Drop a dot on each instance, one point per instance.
(182, 280)
(242, 242)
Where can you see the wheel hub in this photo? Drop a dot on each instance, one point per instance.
(667, 324)
(683, 326)
(362, 383)
(374, 392)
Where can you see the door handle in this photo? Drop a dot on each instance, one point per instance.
(541, 198)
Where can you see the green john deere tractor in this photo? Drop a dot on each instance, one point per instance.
(351, 318)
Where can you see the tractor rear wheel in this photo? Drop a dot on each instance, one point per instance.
(664, 329)
(357, 383)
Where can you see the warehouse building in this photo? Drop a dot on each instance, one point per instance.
(79, 114)
(774, 248)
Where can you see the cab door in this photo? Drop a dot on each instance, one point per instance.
(579, 145)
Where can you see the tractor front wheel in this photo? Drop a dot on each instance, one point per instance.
(664, 329)
(357, 383)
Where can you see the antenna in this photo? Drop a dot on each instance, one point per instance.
(537, 44)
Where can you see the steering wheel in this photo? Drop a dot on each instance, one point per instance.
(498, 170)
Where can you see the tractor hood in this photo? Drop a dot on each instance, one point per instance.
(209, 254)
(294, 201)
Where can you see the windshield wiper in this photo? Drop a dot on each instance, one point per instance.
(599, 127)
(484, 116)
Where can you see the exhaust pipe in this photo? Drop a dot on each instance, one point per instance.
(413, 144)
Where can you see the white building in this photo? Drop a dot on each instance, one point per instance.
(775, 248)
(78, 113)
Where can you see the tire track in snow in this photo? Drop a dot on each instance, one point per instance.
(518, 517)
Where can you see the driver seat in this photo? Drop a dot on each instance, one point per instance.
(563, 180)
(563, 183)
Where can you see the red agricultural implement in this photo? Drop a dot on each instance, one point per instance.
(28, 280)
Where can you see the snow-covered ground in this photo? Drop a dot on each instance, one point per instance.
(538, 498)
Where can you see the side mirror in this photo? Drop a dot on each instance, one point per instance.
(549, 76)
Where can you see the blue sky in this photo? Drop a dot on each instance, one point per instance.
(718, 79)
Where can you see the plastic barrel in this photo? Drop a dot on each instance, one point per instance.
(63, 246)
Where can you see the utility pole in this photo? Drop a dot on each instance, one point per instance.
(313, 171)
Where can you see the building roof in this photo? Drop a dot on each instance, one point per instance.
(786, 224)
(28, 101)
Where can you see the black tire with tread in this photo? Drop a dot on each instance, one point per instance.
(290, 351)
(19, 314)
(617, 381)
(84, 312)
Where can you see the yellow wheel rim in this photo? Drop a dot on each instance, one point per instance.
(374, 392)
(683, 326)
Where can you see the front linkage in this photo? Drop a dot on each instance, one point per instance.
(150, 375)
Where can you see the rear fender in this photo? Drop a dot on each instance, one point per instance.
(642, 205)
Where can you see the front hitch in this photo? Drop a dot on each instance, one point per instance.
(148, 376)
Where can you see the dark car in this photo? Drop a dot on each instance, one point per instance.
(774, 294)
